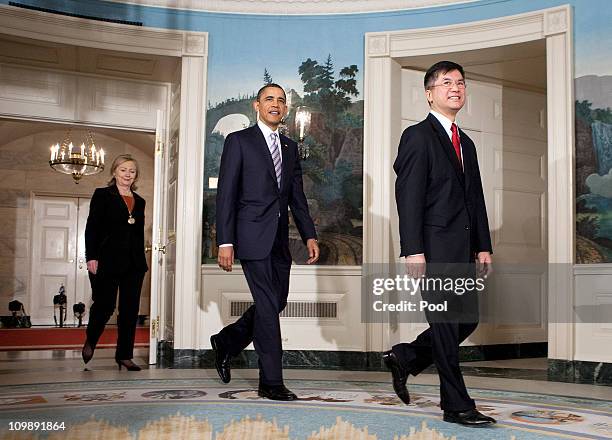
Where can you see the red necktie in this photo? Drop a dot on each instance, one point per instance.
(456, 143)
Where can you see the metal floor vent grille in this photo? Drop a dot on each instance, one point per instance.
(294, 309)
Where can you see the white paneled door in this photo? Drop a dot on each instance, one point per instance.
(58, 256)
(83, 286)
(169, 232)
(163, 259)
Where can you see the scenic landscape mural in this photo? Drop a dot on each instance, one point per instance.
(332, 172)
(594, 169)
(593, 92)
(325, 71)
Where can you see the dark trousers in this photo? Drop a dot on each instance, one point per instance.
(104, 294)
(439, 344)
(268, 280)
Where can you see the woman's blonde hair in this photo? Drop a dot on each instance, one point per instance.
(122, 158)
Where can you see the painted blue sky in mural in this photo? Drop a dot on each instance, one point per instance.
(593, 38)
(281, 48)
(282, 43)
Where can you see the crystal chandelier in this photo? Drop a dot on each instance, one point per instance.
(77, 161)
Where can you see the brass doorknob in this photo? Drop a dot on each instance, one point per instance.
(162, 249)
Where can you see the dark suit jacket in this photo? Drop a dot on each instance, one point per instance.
(109, 238)
(250, 206)
(441, 208)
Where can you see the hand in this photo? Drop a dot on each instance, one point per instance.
(92, 266)
(415, 265)
(484, 264)
(313, 250)
(225, 259)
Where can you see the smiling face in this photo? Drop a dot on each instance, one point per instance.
(271, 106)
(447, 94)
(125, 174)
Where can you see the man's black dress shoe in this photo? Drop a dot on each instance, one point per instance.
(222, 360)
(399, 374)
(471, 417)
(275, 392)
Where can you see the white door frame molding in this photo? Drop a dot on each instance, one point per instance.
(383, 54)
(99, 34)
(192, 49)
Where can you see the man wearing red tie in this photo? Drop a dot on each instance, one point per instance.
(443, 222)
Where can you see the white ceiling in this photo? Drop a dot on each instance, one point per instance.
(520, 65)
(294, 7)
(38, 53)
(43, 54)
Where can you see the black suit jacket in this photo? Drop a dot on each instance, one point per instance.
(109, 238)
(250, 206)
(441, 208)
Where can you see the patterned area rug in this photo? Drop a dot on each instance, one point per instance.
(204, 409)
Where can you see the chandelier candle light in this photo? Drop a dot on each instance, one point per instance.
(78, 162)
(302, 125)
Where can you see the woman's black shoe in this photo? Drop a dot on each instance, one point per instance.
(87, 352)
(128, 364)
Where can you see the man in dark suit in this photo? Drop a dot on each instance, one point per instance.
(443, 225)
(259, 179)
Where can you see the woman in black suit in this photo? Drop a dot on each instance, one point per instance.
(114, 249)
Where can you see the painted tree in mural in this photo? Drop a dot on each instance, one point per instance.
(330, 97)
(583, 111)
(333, 172)
(267, 78)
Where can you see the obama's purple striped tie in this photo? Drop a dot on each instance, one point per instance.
(276, 157)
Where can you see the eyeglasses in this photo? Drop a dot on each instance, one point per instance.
(448, 83)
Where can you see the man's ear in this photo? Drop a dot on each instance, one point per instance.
(256, 108)
(428, 96)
